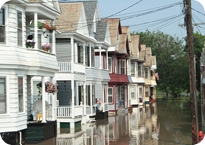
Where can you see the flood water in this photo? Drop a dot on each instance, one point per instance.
(162, 123)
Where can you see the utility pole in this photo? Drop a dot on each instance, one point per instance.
(192, 72)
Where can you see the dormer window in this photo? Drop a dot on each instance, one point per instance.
(2, 25)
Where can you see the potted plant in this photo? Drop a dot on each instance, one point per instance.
(49, 28)
(46, 47)
(30, 44)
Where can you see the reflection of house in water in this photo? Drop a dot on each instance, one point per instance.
(152, 128)
(119, 130)
(89, 134)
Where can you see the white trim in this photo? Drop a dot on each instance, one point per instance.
(21, 76)
(7, 94)
(23, 24)
(109, 95)
(5, 6)
(110, 65)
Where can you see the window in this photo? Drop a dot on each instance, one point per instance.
(110, 64)
(93, 93)
(80, 54)
(118, 67)
(140, 91)
(139, 70)
(132, 92)
(87, 56)
(19, 28)
(20, 93)
(92, 56)
(2, 25)
(132, 69)
(3, 95)
(123, 67)
(110, 95)
(146, 73)
(146, 92)
(88, 94)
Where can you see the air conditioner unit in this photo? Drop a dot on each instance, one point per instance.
(57, 102)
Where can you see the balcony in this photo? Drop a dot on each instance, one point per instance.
(31, 60)
(66, 67)
(98, 74)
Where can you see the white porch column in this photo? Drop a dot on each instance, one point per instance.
(103, 100)
(72, 88)
(107, 58)
(53, 101)
(90, 55)
(100, 57)
(36, 30)
(84, 96)
(43, 101)
(84, 53)
(53, 39)
(91, 98)
(72, 53)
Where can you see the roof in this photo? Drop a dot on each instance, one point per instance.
(115, 29)
(122, 47)
(69, 17)
(90, 8)
(142, 52)
(148, 57)
(101, 30)
(135, 45)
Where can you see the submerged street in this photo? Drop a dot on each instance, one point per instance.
(166, 122)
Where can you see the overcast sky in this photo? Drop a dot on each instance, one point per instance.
(170, 17)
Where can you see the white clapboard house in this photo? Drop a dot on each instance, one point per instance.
(81, 78)
(21, 60)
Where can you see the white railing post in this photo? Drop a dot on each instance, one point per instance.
(36, 30)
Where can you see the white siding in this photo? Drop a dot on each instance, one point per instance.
(13, 120)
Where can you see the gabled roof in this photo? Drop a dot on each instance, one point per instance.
(142, 52)
(122, 47)
(126, 29)
(101, 30)
(115, 29)
(69, 18)
(148, 59)
(90, 9)
(135, 45)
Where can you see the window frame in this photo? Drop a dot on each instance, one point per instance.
(19, 41)
(146, 72)
(110, 95)
(7, 108)
(110, 64)
(132, 71)
(132, 90)
(4, 18)
(21, 77)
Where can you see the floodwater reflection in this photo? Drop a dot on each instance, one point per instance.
(161, 123)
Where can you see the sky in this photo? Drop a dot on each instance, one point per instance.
(170, 17)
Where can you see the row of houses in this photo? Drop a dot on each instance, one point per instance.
(100, 68)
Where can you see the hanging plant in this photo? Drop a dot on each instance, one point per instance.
(49, 88)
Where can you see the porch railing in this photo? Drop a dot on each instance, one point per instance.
(63, 111)
(66, 67)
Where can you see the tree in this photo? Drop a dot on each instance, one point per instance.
(199, 41)
(172, 61)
